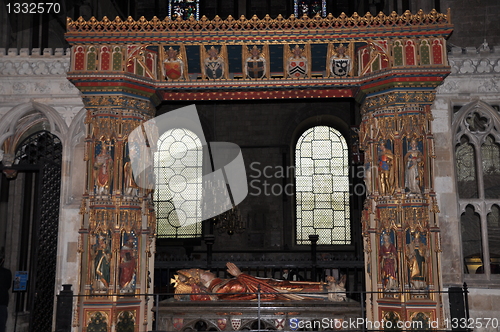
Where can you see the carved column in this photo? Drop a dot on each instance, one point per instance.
(118, 224)
(400, 227)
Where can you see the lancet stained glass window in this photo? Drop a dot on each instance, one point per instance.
(184, 9)
(178, 170)
(322, 187)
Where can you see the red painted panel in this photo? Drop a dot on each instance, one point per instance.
(437, 52)
(410, 53)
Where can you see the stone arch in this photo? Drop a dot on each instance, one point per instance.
(310, 119)
(10, 125)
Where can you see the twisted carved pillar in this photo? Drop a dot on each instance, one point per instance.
(400, 227)
(118, 224)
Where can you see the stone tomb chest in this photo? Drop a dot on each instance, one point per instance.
(247, 315)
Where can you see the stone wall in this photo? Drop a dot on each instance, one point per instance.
(474, 77)
(35, 82)
(266, 133)
(474, 21)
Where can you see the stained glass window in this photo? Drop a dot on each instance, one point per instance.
(309, 8)
(493, 220)
(490, 152)
(184, 9)
(322, 187)
(466, 169)
(472, 247)
(477, 157)
(178, 170)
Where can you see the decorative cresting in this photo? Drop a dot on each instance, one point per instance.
(400, 227)
(267, 23)
(257, 58)
(118, 223)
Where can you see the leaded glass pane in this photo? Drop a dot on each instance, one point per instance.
(466, 169)
(471, 240)
(322, 166)
(490, 153)
(178, 170)
(321, 149)
(307, 166)
(494, 238)
(322, 186)
(306, 150)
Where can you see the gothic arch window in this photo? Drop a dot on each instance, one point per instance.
(477, 162)
(178, 170)
(322, 187)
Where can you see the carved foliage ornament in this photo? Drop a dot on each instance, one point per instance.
(267, 23)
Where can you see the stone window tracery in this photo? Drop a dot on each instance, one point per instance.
(322, 187)
(477, 157)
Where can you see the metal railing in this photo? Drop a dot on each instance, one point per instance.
(262, 315)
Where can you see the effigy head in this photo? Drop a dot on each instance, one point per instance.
(190, 276)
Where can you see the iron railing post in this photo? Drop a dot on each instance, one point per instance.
(64, 309)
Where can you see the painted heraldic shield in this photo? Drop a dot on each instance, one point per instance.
(297, 68)
(340, 66)
(173, 69)
(256, 68)
(214, 69)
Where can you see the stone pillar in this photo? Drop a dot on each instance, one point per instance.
(400, 229)
(118, 224)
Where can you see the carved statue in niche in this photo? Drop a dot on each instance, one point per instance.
(128, 260)
(130, 188)
(416, 256)
(368, 178)
(102, 262)
(103, 169)
(340, 62)
(414, 168)
(385, 170)
(388, 260)
(297, 63)
(139, 176)
(336, 288)
(200, 285)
